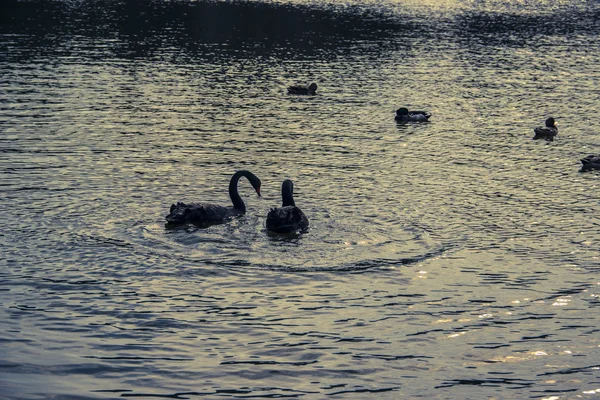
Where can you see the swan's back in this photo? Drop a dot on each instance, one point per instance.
(197, 213)
(286, 219)
(205, 213)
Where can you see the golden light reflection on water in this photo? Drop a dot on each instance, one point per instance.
(562, 301)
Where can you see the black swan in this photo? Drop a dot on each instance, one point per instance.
(546, 132)
(403, 115)
(287, 218)
(200, 213)
(312, 89)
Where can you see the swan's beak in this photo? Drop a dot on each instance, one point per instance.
(258, 191)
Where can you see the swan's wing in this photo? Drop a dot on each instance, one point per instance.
(196, 213)
(286, 219)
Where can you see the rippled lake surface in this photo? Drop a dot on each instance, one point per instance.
(450, 259)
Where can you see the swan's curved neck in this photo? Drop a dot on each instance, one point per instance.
(236, 199)
(287, 194)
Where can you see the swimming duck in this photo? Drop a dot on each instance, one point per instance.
(205, 213)
(590, 162)
(312, 89)
(287, 218)
(547, 132)
(403, 115)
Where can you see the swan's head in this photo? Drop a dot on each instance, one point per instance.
(287, 186)
(313, 87)
(550, 123)
(253, 179)
(402, 111)
(255, 182)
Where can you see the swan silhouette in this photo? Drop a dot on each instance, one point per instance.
(287, 218)
(312, 89)
(547, 132)
(205, 213)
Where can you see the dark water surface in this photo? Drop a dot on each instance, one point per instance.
(454, 259)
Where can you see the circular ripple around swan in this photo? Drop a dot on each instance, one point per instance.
(244, 243)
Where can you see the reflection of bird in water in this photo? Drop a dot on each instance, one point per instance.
(312, 89)
(547, 132)
(590, 162)
(201, 213)
(403, 115)
(287, 218)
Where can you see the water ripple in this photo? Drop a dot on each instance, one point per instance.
(453, 259)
